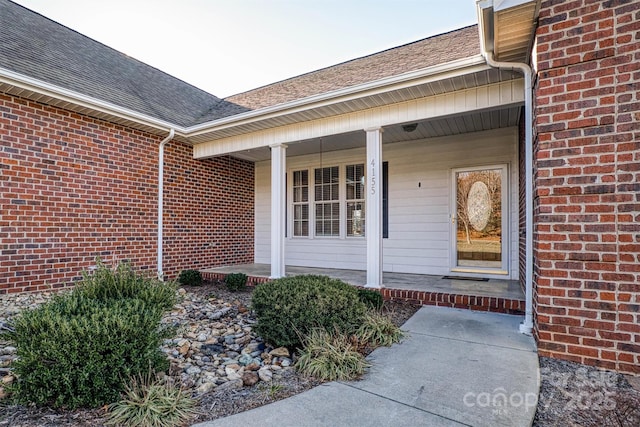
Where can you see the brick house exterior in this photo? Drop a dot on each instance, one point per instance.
(587, 159)
(75, 188)
(81, 181)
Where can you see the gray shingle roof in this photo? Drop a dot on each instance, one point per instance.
(33, 45)
(458, 44)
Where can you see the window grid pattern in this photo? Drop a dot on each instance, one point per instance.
(301, 203)
(327, 198)
(355, 200)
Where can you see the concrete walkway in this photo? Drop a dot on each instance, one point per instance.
(456, 368)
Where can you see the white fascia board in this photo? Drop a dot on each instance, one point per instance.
(43, 88)
(441, 71)
(496, 95)
(425, 75)
(500, 5)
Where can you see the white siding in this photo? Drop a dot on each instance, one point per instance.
(419, 203)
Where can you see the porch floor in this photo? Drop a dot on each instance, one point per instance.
(495, 295)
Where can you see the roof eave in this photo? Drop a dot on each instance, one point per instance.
(459, 67)
(35, 89)
(30, 88)
(507, 27)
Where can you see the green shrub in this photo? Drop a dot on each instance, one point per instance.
(190, 278)
(289, 308)
(377, 329)
(372, 299)
(236, 281)
(330, 357)
(78, 349)
(149, 402)
(105, 284)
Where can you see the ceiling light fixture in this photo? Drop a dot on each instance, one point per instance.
(410, 127)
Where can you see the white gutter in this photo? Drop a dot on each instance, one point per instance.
(527, 326)
(49, 90)
(424, 75)
(161, 197)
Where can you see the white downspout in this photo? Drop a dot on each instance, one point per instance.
(160, 197)
(527, 326)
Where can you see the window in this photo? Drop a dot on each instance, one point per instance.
(331, 202)
(355, 200)
(301, 203)
(327, 207)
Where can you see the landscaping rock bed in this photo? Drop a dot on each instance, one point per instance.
(215, 354)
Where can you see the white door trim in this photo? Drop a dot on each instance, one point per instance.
(505, 224)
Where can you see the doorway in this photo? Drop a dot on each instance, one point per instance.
(480, 220)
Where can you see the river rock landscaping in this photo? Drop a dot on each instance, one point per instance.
(217, 355)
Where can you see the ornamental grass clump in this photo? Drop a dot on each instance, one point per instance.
(378, 330)
(78, 349)
(289, 308)
(150, 402)
(330, 357)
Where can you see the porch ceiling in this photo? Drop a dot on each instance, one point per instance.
(454, 125)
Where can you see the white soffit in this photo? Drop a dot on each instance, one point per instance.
(500, 95)
(514, 22)
(38, 91)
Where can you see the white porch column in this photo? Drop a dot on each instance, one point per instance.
(373, 216)
(278, 208)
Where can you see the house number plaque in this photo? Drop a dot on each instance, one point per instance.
(373, 177)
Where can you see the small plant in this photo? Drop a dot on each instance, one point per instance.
(378, 330)
(190, 278)
(372, 299)
(330, 357)
(271, 390)
(150, 402)
(290, 307)
(236, 281)
(274, 389)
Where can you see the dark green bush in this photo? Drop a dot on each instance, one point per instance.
(236, 281)
(80, 348)
(190, 278)
(371, 298)
(289, 308)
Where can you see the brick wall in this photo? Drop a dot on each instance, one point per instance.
(73, 188)
(587, 245)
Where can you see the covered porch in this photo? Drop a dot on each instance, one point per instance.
(495, 295)
(416, 183)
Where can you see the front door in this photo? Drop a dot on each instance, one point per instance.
(479, 220)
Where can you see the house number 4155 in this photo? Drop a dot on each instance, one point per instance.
(373, 177)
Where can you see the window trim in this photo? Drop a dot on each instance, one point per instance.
(299, 203)
(342, 166)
